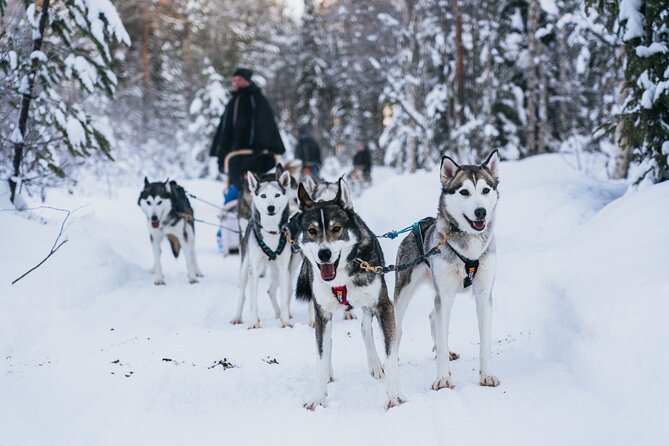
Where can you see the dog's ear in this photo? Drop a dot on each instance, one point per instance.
(303, 198)
(146, 182)
(343, 197)
(279, 170)
(284, 180)
(253, 181)
(448, 169)
(309, 184)
(167, 186)
(492, 164)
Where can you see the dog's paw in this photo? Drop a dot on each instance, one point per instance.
(442, 383)
(236, 321)
(199, 274)
(349, 315)
(489, 381)
(312, 405)
(192, 280)
(159, 281)
(254, 325)
(287, 324)
(394, 402)
(452, 356)
(376, 371)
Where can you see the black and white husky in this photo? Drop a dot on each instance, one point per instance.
(265, 244)
(169, 214)
(464, 230)
(323, 191)
(332, 237)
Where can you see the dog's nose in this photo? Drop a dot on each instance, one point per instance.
(324, 255)
(154, 217)
(270, 209)
(480, 213)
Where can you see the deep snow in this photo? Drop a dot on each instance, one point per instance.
(93, 353)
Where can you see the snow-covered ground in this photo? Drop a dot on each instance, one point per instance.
(91, 352)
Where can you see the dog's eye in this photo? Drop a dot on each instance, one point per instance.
(313, 231)
(277, 195)
(336, 229)
(485, 191)
(263, 196)
(159, 201)
(464, 192)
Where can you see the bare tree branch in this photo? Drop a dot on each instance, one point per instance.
(57, 243)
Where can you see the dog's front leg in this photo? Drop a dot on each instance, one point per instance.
(284, 284)
(373, 363)
(156, 239)
(324, 346)
(243, 279)
(483, 295)
(254, 276)
(386, 315)
(441, 317)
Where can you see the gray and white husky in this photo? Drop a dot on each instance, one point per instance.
(332, 236)
(265, 244)
(464, 228)
(169, 214)
(323, 191)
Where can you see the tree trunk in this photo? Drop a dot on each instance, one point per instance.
(459, 80)
(621, 160)
(564, 126)
(543, 112)
(532, 23)
(25, 104)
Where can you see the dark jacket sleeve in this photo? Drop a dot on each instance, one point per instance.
(299, 150)
(243, 123)
(265, 133)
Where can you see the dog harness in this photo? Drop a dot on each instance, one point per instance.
(272, 254)
(340, 294)
(471, 266)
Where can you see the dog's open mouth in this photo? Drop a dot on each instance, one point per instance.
(328, 270)
(478, 225)
(155, 224)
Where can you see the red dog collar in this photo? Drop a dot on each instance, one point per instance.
(340, 294)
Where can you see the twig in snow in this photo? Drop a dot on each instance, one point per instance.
(56, 244)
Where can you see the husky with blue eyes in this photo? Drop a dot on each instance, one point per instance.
(463, 231)
(265, 244)
(169, 214)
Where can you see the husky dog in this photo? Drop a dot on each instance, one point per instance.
(264, 244)
(463, 230)
(321, 190)
(324, 191)
(170, 215)
(332, 237)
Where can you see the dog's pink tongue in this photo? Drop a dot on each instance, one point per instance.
(155, 224)
(479, 225)
(328, 271)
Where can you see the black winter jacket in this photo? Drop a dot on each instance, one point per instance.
(247, 123)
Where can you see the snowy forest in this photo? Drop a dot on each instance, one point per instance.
(518, 195)
(138, 86)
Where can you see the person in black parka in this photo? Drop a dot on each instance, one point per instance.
(247, 137)
(309, 152)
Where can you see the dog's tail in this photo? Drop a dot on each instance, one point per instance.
(174, 244)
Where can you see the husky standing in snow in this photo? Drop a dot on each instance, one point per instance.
(332, 236)
(463, 230)
(323, 191)
(265, 244)
(170, 215)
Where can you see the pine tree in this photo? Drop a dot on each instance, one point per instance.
(643, 123)
(50, 53)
